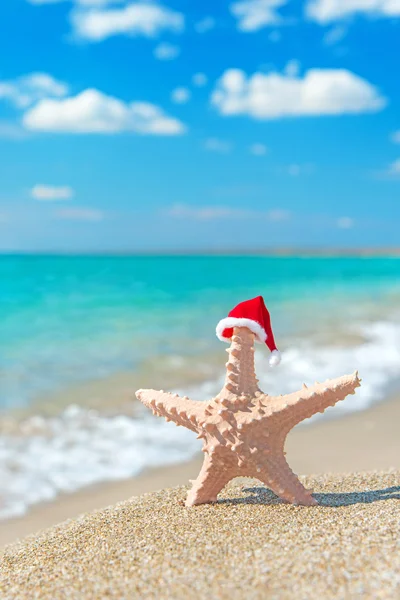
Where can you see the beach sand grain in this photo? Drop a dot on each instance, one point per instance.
(248, 545)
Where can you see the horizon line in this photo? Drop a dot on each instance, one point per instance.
(272, 252)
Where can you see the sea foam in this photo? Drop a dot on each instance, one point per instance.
(48, 456)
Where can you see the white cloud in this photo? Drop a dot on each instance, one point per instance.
(217, 145)
(394, 168)
(253, 15)
(396, 137)
(275, 95)
(278, 214)
(28, 89)
(50, 193)
(166, 51)
(334, 35)
(205, 213)
(205, 25)
(392, 171)
(80, 214)
(294, 169)
(180, 95)
(292, 68)
(345, 223)
(258, 149)
(326, 11)
(212, 213)
(200, 79)
(140, 18)
(92, 111)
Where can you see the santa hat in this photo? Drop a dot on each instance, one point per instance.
(254, 315)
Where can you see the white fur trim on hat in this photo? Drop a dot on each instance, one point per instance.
(229, 322)
(275, 358)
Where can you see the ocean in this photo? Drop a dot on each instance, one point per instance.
(78, 335)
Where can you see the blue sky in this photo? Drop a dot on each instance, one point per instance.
(199, 125)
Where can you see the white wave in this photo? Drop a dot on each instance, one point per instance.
(80, 447)
(377, 359)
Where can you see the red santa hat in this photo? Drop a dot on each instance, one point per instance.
(254, 315)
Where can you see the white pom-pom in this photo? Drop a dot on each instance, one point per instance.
(275, 358)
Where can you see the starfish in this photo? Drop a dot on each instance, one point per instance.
(244, 430)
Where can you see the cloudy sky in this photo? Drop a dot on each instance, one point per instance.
(198, 125)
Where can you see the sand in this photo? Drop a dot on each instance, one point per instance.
(69, 506)
(248, 545)
(363, 441)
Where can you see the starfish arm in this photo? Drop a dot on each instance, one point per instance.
(278, 476)
(294, 408)
(182, 411)
(212, 478)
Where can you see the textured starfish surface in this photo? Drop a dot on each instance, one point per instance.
(244, 430)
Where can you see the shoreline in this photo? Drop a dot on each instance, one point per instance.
(361, 441)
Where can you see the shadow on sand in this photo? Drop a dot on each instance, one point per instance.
(262, 495)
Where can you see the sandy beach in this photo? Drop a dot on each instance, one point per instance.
(248, 545)
(362, 441)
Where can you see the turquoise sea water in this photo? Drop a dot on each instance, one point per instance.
(69, 320)
(65, 319)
